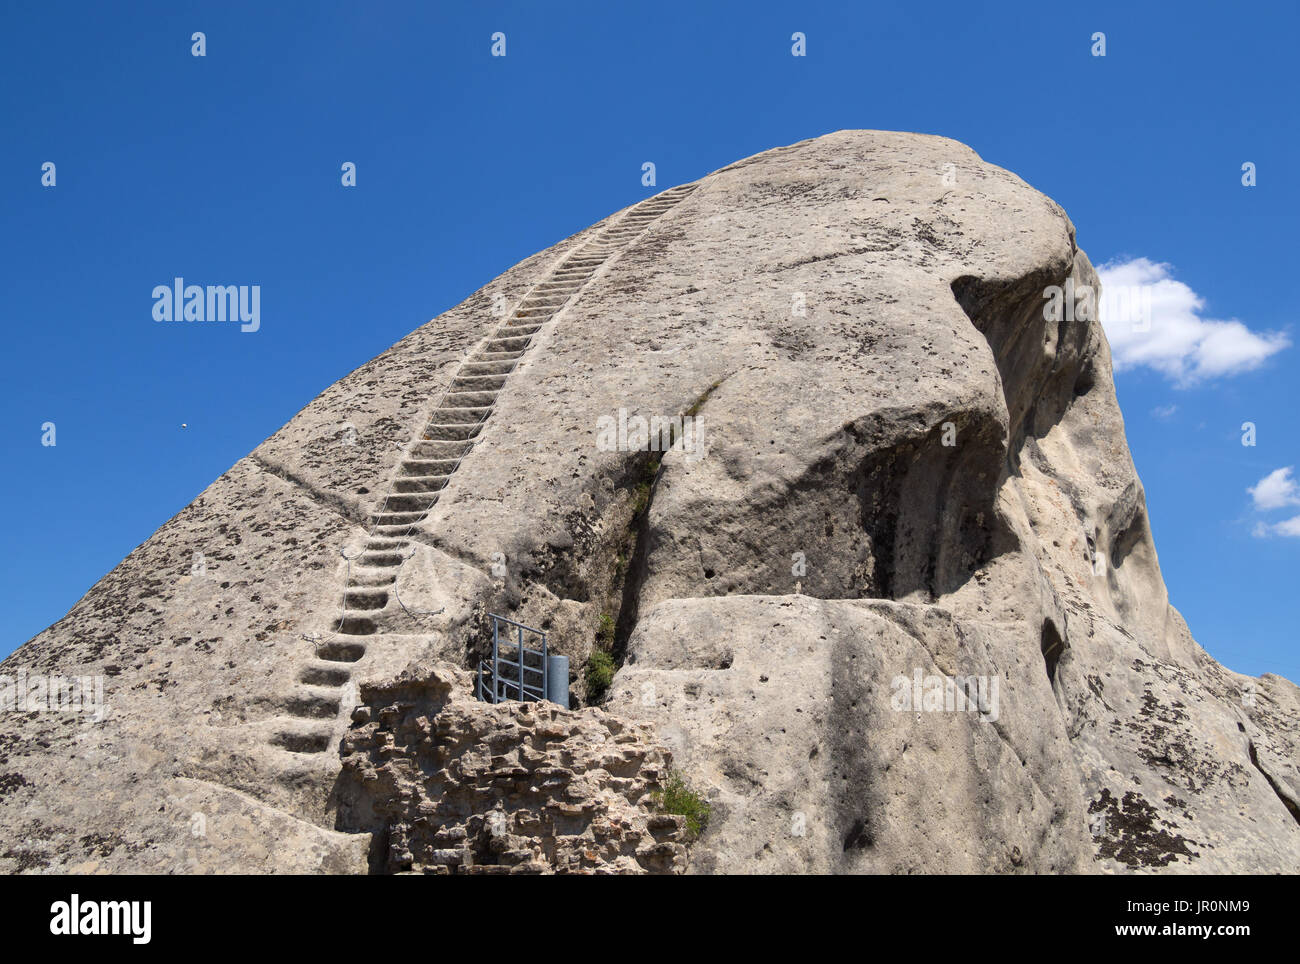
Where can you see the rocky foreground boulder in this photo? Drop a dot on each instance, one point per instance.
(881, 588)
(447, 784)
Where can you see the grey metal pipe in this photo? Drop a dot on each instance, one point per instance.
(557, 679)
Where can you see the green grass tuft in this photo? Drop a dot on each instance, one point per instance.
(640, 499)
(605, 630)
(600, 674)
(676, 797)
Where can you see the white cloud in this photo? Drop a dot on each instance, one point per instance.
(1275, 490)
(1288, 528)
(1164, 411)
(1172, 337)
(1291, 527)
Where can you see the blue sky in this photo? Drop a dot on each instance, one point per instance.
(225, 169)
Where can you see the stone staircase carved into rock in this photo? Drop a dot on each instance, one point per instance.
(423, 474)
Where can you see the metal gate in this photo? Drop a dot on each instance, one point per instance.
(517, 670)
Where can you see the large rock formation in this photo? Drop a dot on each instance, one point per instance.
(905, 487)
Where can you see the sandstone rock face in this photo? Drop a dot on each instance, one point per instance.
(894, 606)
(447, 784)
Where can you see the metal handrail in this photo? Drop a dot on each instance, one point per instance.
(511, 622)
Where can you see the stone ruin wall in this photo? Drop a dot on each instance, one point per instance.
(449, 785)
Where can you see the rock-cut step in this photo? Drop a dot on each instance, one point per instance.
(348, 624)
(426, 467)
(469, 399)
(321, 672)
(450, 431)
(314, 702)
(364, 598)
(411, 501)
(420, 484)
(546, 299)
(466, 415)
(392, 549)
(303, 740)
(487, 357)
(474, 368)
(392, 529)
(535, 312)
(380, 558)
(399, 518)
(526, 327)
(478, 383)
(436, 450)
(508, 344)
(340, 649)
(376, 577)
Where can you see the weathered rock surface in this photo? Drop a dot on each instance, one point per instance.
(448, 784)
(909, 473)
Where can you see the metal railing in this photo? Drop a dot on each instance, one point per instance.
(522, 678)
